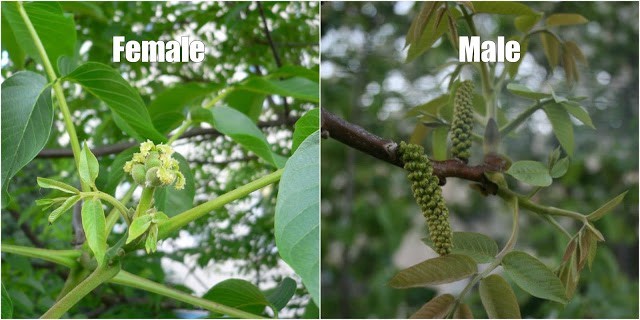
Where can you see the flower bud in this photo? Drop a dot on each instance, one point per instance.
(152, 178)
(139, 173)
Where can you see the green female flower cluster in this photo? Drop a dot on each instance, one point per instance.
(153, 166)
(428, 195)
(462, 121)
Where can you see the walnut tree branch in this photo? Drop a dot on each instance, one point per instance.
(387, 150)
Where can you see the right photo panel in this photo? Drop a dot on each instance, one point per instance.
(479, 159)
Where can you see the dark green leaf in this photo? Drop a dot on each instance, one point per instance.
(533, 276)
(242, 130)
(565, 19)
(431, 107)
(56, 31)
(138, 227)
(124, 101)
(7, 304)
(116, 171)
(436, 308)
(503, 7)
(11, 46)
(296, 87)
(53, 184)
(84, 8)
(606, 208)
(297, 224)
(311, 311)
(580, 113)
(94, 225)
(64, 207)
(531, 172)
(562, 126)
(173, 201)
(498, 298)
(560, 168)
(281, 294)
(248, 102)
(238, 293)
(27, 117)
(443, 269)
(88, 167)
(306, 125)
(525, 92)
(174, 101)
(296, 71)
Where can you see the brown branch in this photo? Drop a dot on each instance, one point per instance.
(387, 150)
(121, 146)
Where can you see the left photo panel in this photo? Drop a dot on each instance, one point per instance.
(160, 159)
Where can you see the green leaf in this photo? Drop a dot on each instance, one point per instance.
(525, 92)
(430, 35)
(559, 168)
(551, 47)
(531, 172)
(151, 243)
(88, 167)
(565, 19)
(173, 201)
(138, 227)
(533, 276)
(431, 107)
(436, 308)
(513, 67)
(443, 269)
(524, 23)
(281, 294)
(311, 311)
(606, 208)
(242, 130)
(56, 31)
(439, 143)
(26, 118)
(498, 298)
(579, 112)
(53, 184)
(94, 225)
(296, 87)
(11, 45)
(7, 304)
(475, 245)
(171, 103)
(306, 125)
(124, 101)
(64, 207)
(84, 8)
(297, 223)
(239, 294)
(503, 7)
(417, 27)
(569, 276)
(562, 126)
(248, 102)
(296, 71)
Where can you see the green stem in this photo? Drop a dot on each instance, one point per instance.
(534, 207)
(96, 278)
(555, 223)
(76, 275)
(185, 125)
(182, 219)
(145, 201)
(57, 88)
(522, 117)
(110, 199)
(127, 279)
(219, 97)
(64, 257)
(112, 218)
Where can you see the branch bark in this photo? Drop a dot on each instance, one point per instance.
(121, 146)
(387, 150)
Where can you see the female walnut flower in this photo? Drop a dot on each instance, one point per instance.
(153, 166)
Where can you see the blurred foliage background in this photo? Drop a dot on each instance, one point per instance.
(236, 241)
(371, 226)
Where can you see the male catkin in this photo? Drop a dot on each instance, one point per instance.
(462, 121)
(428, 195)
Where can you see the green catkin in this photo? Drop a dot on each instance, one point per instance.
(462, 121)
(428, 195)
